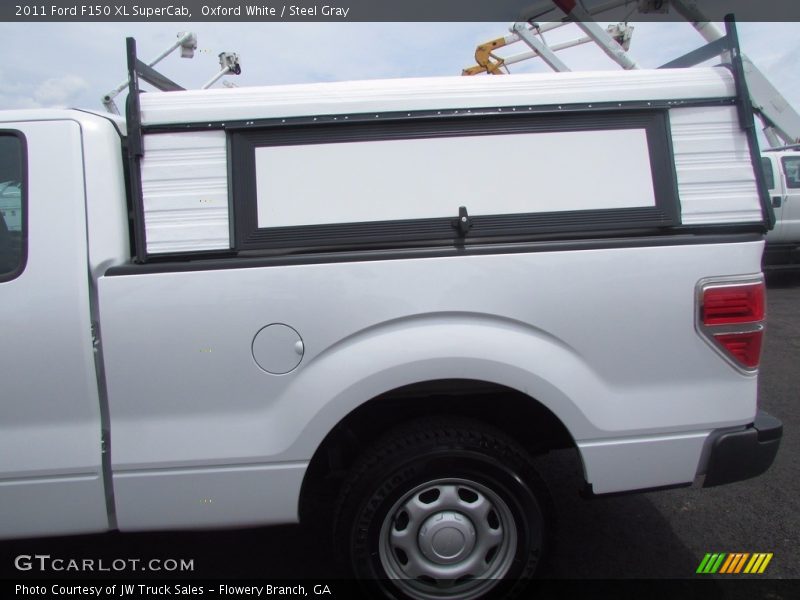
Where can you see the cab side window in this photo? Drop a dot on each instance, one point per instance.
(13, 226)
(791, 167)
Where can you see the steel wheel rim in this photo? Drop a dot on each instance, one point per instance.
(448, 538)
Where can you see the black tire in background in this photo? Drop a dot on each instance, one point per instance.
(443, 508)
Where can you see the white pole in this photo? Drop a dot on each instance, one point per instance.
(187, 40)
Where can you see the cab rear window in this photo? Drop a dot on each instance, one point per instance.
(769, 174)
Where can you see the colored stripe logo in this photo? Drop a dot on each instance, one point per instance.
(734, 563)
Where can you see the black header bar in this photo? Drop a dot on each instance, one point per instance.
(379, 10)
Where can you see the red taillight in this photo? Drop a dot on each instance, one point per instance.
(744, 347)
(731, 317)
(733, 304)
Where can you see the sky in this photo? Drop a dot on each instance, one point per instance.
(74, 64)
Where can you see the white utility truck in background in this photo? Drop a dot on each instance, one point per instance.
(255, 306)
(782, 175)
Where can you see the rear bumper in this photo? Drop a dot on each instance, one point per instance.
(738, 455)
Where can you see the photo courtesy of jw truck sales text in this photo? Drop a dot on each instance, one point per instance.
(140, 590)
(250, 306)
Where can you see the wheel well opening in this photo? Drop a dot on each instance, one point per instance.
(518, 415)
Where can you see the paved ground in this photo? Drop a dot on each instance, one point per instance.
(667, 533)
(656, 535)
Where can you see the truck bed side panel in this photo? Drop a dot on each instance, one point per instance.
(599, 336)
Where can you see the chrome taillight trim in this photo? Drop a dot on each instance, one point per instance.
(709, 332)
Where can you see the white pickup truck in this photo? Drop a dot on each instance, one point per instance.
(782, 174)
(234, 305)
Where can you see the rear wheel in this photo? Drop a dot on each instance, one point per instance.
(443, 508)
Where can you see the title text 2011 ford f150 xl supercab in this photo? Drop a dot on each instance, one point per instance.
(235, 302)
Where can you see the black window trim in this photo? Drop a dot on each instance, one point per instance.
(243, 198)
(23, 257)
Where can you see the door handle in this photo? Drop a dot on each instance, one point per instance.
(776, 201)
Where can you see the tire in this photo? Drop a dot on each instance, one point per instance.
(443, 509)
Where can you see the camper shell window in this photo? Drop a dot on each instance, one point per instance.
(350, 185)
